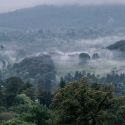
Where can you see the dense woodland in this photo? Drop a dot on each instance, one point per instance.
(114, 79)
(81, 99)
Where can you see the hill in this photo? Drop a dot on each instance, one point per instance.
(105, 17)
(119, 45)
(38, 69)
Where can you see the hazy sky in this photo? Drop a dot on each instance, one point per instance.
(9, 5)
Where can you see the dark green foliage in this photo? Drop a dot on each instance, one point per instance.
(121, 115)
(62, 83)
(79, 104)
(35, 65)
(84, 56)
(117, 81)
(120, 45)
(37, 114)
(2, 108)
(40, 70)
(44, 97)
(68, 77)
(26, 112)
(28, 90)
(12, 86)
(78, 75)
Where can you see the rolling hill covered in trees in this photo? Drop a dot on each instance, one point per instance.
(63, 65)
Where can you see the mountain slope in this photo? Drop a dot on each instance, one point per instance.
(65, 16)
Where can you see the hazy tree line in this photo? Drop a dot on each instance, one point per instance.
(116, 80)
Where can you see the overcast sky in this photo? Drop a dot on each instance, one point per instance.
(9, 5)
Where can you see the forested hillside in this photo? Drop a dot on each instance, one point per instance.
(78, 102)
(63, 65)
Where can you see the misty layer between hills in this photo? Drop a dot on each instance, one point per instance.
(63, 33)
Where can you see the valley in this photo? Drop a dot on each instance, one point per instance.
(63, 64)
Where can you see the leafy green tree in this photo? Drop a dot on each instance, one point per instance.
(23, 99)
(13, 85)
(80, 104)
(121, 115)
(37, 114)
(22, 104)
(28, 90)
(12, 88)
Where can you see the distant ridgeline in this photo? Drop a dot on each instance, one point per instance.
(119, 45)
(87, 21)
(39, 70)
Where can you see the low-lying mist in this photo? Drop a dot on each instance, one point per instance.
(65, 53)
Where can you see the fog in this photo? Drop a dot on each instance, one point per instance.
(66, 58)
(108, 60)
(11, 5)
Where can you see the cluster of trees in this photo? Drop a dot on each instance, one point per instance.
(11, 88)
(21, 103)
(14, 88)
(75, 103)
(38, 70)
(116, 80)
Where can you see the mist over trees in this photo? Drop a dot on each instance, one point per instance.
(63, 65)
